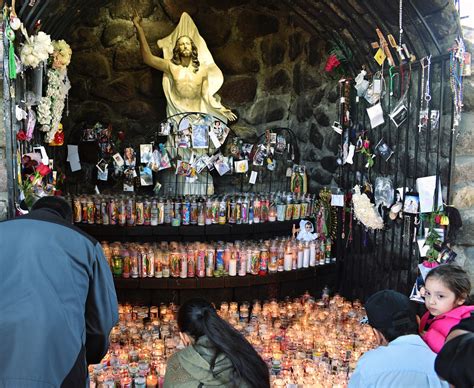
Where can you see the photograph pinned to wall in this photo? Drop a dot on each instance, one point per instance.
(411, 203)
(183, 168)
(221, 130)
(434, 117)
(155, 160)
(383, 149)
(221, 164)
(146, 176)
(260, 155)
(146, 153)
(183, 140)
(200, 136)
(129, 180)
(280, 144)
(118, 159)
(399, 115)
(200, 164)
(209, 160)
(164, 159)
(273, 137)
(165, 128)
(241, 166)
(184, 126)
(130, 157)
(246, 150)
(102, 170)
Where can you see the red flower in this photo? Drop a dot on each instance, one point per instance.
(121, 135)
(366, 144)
(21, 135)
(331, 63)
(43, 170)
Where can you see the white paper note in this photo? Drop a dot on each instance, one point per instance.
(375, 115)
(253, 177)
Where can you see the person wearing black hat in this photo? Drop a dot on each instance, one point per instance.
(403, 359)
(455, 361)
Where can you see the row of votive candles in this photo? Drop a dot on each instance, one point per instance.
(184, 260)
(191, 210)
(302, 341)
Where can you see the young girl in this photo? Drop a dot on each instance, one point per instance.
(447, 288)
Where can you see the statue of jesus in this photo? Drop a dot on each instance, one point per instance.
(190, 82)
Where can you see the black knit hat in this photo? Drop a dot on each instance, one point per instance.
(390, 309)
(455, 361)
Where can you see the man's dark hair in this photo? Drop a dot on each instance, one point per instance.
(58, 204)
(392, 314)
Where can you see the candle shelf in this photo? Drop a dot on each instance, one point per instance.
(226, 232)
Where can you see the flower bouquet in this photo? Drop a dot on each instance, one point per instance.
(35, 185)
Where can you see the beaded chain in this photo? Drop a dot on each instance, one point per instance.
(456, 67)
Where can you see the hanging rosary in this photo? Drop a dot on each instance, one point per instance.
(456, 67)
(425, 96)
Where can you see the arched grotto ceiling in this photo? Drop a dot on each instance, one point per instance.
(430, 26)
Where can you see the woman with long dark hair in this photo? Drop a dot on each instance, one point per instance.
(216, 355)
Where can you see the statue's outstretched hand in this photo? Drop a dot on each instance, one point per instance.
(231, 116)
(136, 21)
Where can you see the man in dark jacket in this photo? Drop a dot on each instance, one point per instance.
(57, 299)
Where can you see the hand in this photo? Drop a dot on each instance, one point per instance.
(136, 21)
(231, 116)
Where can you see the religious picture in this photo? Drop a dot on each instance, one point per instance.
(411, 203)
(199, 136)
(241, 166)
(145, 153)
(183, 141)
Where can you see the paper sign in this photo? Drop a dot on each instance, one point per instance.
(426, 188)
(214, 139)
(422, 247)
(337, 200)
(73, 157)
(375, 115)
(253, 177)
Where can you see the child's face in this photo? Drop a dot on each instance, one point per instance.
(439, 299)
(308, 227)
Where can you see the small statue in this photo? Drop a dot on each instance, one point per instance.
(305, 231)
(58, 139)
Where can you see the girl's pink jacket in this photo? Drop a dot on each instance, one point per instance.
(441, 325)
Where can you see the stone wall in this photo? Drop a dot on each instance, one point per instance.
(463, 182)
(273, 74)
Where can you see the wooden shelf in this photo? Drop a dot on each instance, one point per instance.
(189, 232)
(220, 282)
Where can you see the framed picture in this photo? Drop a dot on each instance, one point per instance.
(411, 203)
